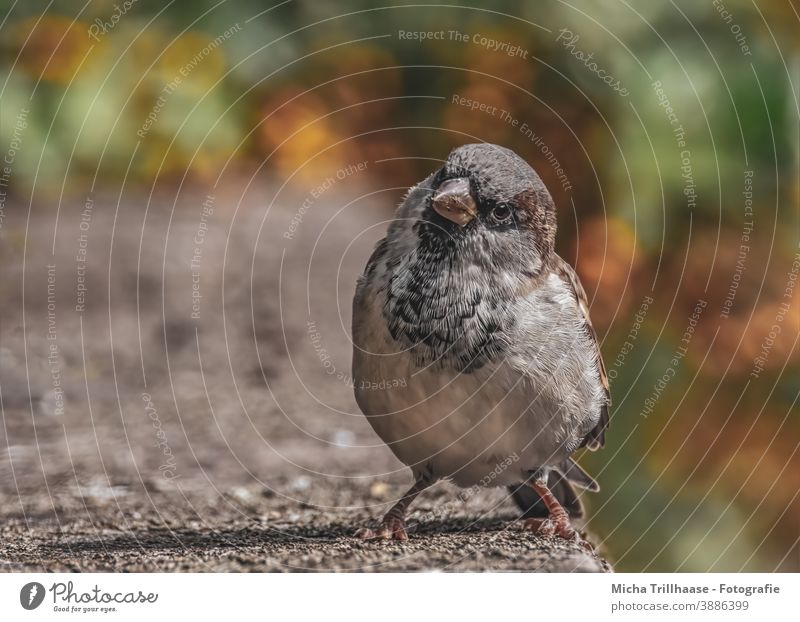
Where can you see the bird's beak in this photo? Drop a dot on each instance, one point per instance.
(454, 201)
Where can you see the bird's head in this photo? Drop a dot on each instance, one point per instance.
(486, 196)
(464, 243)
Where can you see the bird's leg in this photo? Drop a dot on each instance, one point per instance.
(393, 525)
(558, 521)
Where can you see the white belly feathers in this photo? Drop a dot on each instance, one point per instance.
(490, 426)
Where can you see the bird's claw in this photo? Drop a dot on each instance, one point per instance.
(550, 527)
(390, 529)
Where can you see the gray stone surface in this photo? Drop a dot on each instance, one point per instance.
(228, 442)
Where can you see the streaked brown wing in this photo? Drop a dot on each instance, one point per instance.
(597, 437)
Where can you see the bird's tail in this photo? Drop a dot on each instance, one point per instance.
(562, 481)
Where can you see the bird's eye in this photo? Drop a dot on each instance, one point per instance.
(501, 213)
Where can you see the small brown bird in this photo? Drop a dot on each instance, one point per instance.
(474, 357)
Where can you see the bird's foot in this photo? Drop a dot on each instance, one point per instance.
(550, 527)
(391, 528)
(558, 526)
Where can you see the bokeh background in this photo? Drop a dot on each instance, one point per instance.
(282, 135)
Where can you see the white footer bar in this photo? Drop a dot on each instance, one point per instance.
(390, 597)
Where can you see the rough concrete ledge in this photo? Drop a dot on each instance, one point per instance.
(246, 530)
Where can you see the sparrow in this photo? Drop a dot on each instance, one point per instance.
(474, 358)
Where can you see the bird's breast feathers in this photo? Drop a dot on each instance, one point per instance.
(528, 403)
